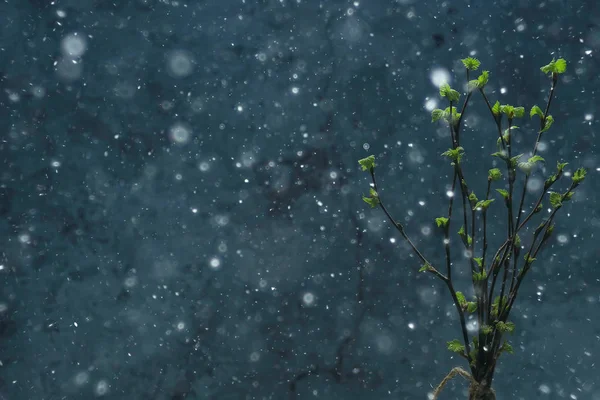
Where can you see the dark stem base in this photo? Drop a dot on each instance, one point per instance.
(481, 392)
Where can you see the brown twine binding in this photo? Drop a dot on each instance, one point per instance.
(474, 386)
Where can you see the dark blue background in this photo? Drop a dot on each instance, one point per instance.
(180, 197)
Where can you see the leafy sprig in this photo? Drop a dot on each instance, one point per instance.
(498, 276)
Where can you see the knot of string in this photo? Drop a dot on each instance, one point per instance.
(474, 386)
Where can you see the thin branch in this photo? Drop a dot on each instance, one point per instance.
(431, 269)
(400, 229)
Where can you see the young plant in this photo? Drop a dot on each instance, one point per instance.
(497, 277)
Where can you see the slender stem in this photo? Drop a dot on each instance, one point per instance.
(484, 251)
(545, 226)
(463, 323)
(496, 119)
(455, 143)
(526, 180)
(515, 260)
(400, 229)
(447, 230)
(495, 269)
(431, 269)
(511, 231)
(462, 112)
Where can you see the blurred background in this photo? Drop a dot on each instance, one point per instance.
(180, 197)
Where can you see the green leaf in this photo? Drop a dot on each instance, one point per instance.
(494, 174)
(505, 327)
(547, 233)
(536, 159)
(456, 347)
(529, 259)
(500, 142)
(451, 116)
(441, 222)
(474, 351)
(555, 199)
(560, 166)
(512, 111)
(555, 67)
(472, 85)
(480, 82)
(465, 238)
(506, 347)
(471, 307)
(449, 93)
(486, 329)
(548, 67)
(550, 181)
(426, 267)
(548, 123)
(567, 196)
(506, 135)
(471, 63)
(537, 231)
(368, 163)
(462, 301)
(479, 276)
(560, 66)
(483, 204)
(372, 201)
(473, 197)
(497, 108)
(497, 304)
(478, 260)
(514, 160)
(579, 176)
(437, 114)
(519, 112)
(454, 154)
(454, 96)
(517, 241)
(501, 154)
(483, 79)
(503, 192)
(527, 166)
(508, 110)
(535, 110)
